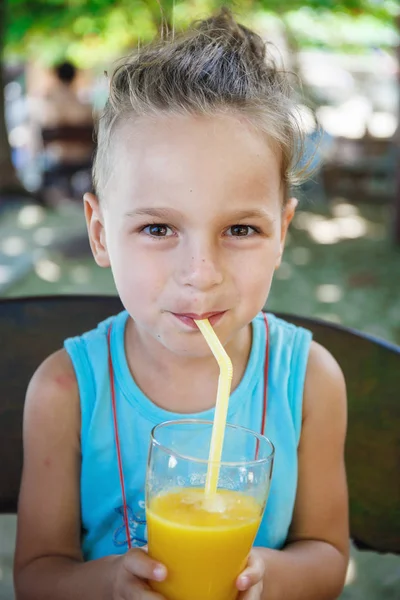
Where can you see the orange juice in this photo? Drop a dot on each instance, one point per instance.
(203, 543)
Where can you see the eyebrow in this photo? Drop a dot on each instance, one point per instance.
(151, 212)
(256, 213)
(239, 215)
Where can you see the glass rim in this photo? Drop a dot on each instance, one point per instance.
(256, 461)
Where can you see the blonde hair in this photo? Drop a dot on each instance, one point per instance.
(218, 65)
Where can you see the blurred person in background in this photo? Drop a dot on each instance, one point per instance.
(65, 131)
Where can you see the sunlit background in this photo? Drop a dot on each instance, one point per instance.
(342, 261)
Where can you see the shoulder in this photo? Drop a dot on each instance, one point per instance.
(324, 387)
(53, 395)
(56, 373)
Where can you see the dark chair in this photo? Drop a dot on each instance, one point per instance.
(32, 328)
(68, 133)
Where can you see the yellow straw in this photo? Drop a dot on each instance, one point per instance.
(221, 407)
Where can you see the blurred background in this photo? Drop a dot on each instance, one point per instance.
(342, 261)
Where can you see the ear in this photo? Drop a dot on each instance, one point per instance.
(288, 212)
(95, 226)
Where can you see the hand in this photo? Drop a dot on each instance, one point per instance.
(134, 570)
(251, 581)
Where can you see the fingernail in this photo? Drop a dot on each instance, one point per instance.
(159, 572)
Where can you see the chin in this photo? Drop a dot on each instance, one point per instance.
(199, 349)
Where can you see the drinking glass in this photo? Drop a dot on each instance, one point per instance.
(204, 539)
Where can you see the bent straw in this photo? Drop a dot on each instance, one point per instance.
(221, 406)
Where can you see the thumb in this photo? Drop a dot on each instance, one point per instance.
(138, 563)
(253, 574)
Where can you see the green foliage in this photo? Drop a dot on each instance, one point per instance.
(90, 31)
(340, 31)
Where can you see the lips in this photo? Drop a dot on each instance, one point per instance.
(200, 317)
(190, 318)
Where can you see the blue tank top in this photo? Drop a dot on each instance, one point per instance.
(102, 512)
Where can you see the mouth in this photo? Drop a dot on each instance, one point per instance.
(190, 318)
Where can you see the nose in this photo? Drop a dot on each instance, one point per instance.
(200, 265)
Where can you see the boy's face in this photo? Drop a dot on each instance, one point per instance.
(192, 225)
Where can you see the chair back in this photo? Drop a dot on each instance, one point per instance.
(33, 328)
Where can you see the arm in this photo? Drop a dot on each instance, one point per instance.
(313, 564)
(48, 562)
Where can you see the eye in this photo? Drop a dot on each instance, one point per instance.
(158, 230)
(242, 231)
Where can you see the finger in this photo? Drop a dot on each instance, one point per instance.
(253, 573)
(140, 564)
(141, 591)
(254, 593)
(148, 594)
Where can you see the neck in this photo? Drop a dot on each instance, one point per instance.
(183, 384)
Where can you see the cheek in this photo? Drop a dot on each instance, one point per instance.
(256, 280)
(253, 277)
(138, 278)
(256, 268)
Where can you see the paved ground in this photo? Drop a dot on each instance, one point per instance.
(339, 264)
